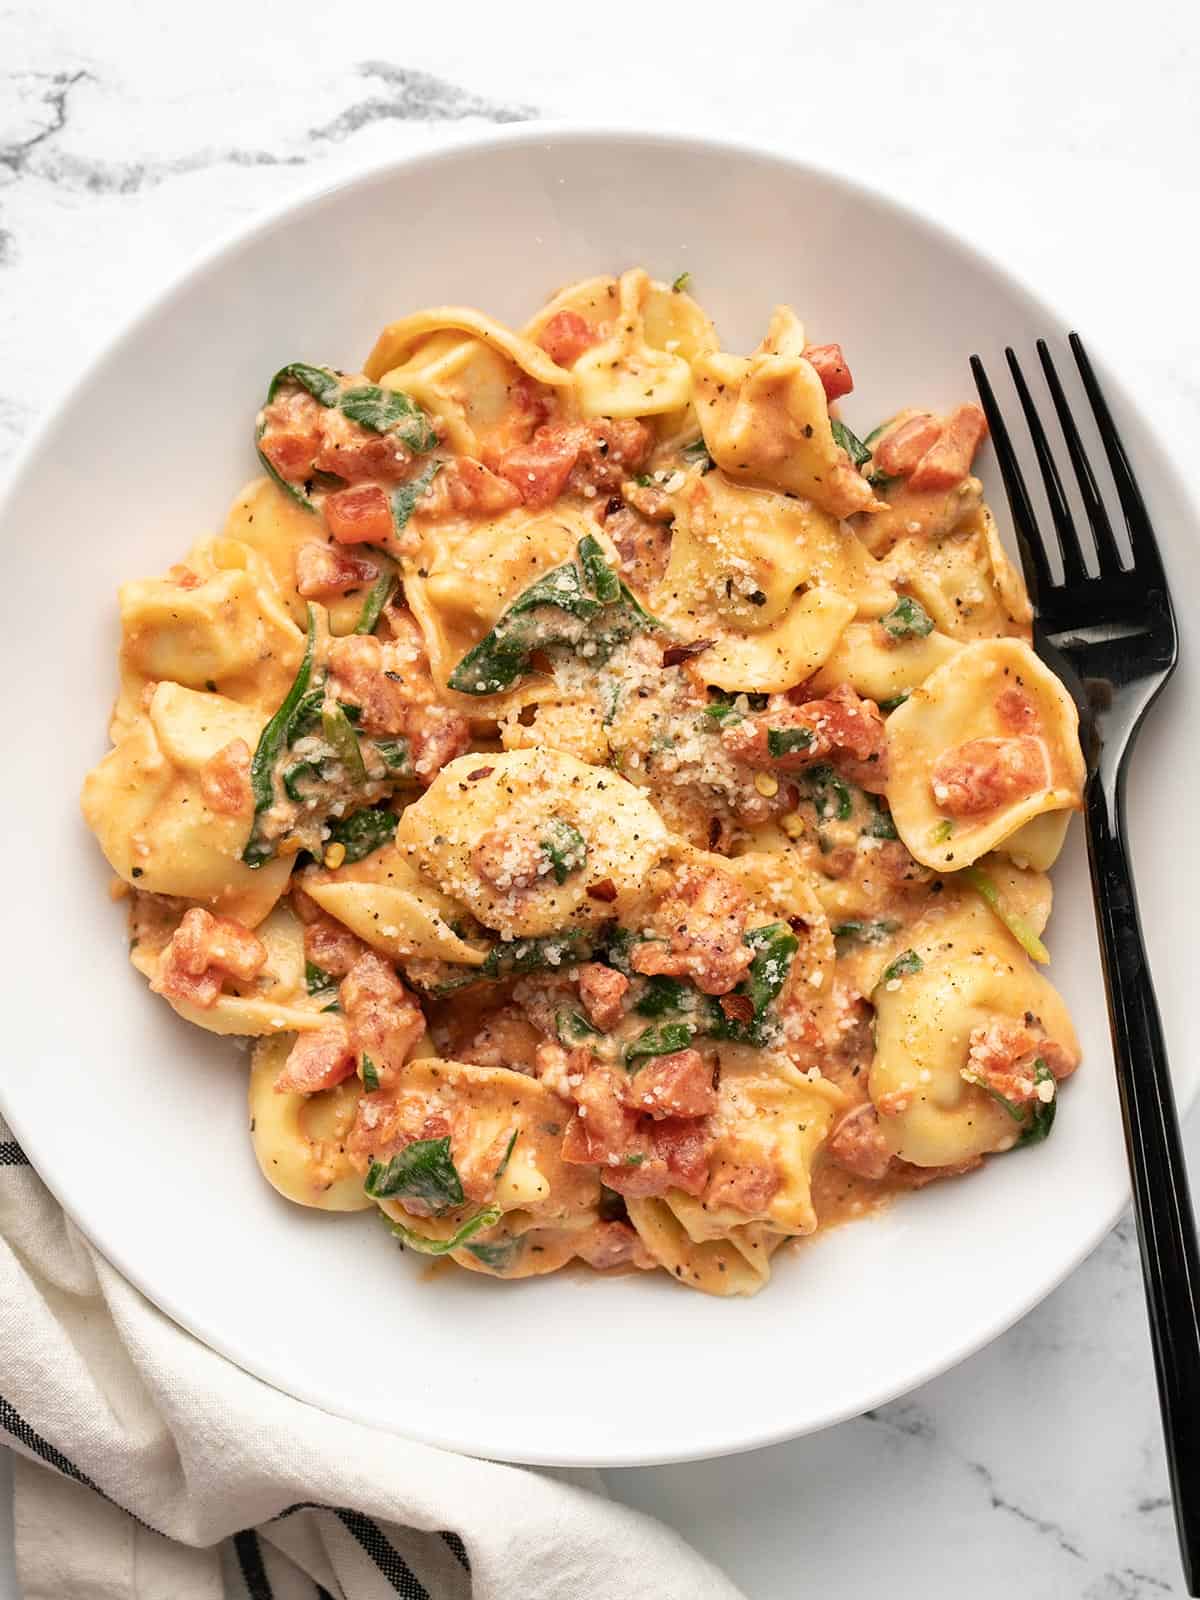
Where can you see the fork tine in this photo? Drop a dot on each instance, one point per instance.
(1029, 540)
(1074, 567)
(1141, 535)
(1106, 544)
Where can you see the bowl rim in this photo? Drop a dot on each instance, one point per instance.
(446, 146)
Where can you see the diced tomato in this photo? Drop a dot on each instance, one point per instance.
(1017, 711)
(985, 773)
(225, 780)
(201, 951)
(843, 727)
(831, 368)
(292, 454)
(1003, 1055)
(601, 990)
(325, 569)
(613, 1244)
(676, 1085)
(318, 1060)
(700, 918)
(539, 470)
(330, 945)
(749, 1186)
(385, 1020)
(948, 461)
(359, 516)
(858, 1145)
(899, 451)
(354, 453)
(565, 337)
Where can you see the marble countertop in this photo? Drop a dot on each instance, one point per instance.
(129, 139)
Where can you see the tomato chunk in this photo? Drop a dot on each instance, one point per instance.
(948, 462)
(831, 368)
(565, 337)
(318, 1060)
(985, 773)
(359, 516)
(898, 452)
(539, 470)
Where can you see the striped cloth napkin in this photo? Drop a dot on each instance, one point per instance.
(149, 1468)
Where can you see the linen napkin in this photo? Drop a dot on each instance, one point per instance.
(149, 1468)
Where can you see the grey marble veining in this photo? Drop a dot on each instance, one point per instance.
(1036, 1468)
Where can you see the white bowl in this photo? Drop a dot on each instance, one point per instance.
(138, 1122)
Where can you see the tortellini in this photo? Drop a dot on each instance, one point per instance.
(739, 555)
(765, 418)
(389, 905)
(881, 668)
(930, 1115)
(299, 1139)
(987, 743)
(276, 1001)
(218, 622)
(965, 581)
(146, 804)
(521, 838)
(739, 1263)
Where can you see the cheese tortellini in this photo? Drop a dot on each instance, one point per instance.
(612, 797)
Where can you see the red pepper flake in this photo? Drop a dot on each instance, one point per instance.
(675, 653)
(606, 889)
(480, 772)
(714, 832)
(798, 925)
(737, 1007)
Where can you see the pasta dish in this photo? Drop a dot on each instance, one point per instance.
(615, 798)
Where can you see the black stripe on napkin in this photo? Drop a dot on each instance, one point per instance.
(14, 1422)
(384, 1554)
(11, 1154)
(250, 1560)
(458, 1549)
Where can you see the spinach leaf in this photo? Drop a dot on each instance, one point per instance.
(396, 754)
(482, 1220)
(663, 997)
(499, 1255)
(317, 980)
(573, 1028)
(881, 825)
(598, 575)
(591, 603)
(943, 831)
(507, 1156)
(1041, 1121)
(320, 382)
(895, 700)
(907, 962)
(681, 283)
(829, 793)
(422, 1171)
(404, 499)
(388, 411)
(774, 946)
(380, 594)
(307, 716)
(855, 932)
(1022, 931)
(370, 1075)
(618, 948)
(519, 956)
(660, 1041)
(786, 741)
(723, 712)
(696, 454)
(565, 848)
(293, 775)
(271, 745)
(363, 832)
(908, 619)
(850, 443)
(339, 734)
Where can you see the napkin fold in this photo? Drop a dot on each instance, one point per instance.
(150, 1468)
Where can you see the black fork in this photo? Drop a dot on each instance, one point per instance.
(1111, 636)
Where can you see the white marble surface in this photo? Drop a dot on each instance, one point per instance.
(131, 135)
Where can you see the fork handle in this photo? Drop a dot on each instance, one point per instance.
(1162, 1201)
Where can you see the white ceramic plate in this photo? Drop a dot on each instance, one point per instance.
(138, 1122)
